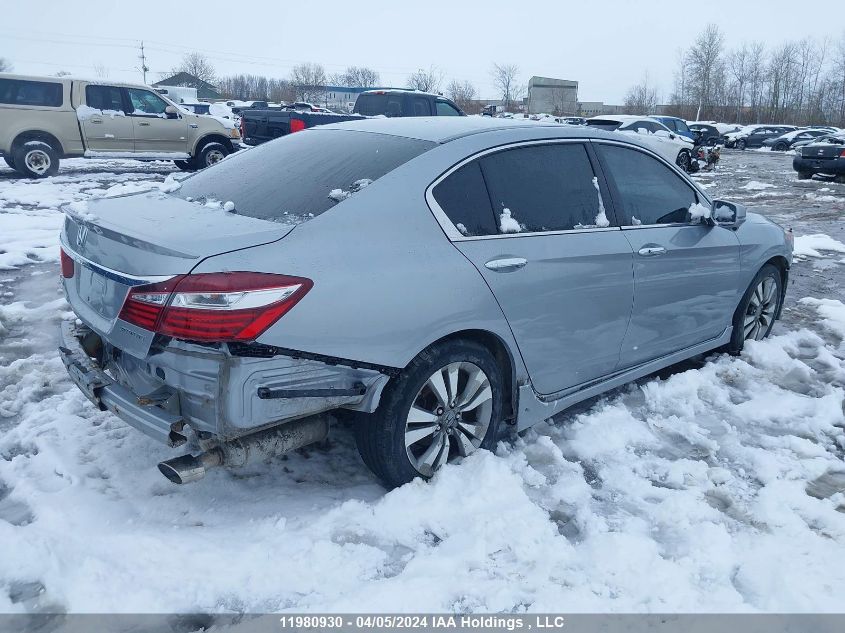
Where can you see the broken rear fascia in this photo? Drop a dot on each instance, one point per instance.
(216, 392)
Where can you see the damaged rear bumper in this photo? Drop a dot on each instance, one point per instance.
(215, 393)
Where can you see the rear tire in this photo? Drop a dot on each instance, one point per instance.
(36, 159)
(442, 424)
(185, 165)
(804, 175)
(210, 154)
(755, 315)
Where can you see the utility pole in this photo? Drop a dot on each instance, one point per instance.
(144, 68)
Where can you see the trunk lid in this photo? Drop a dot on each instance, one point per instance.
(134, 240)
(823, 150)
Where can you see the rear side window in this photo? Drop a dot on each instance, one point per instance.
(301, 175)
(649, 192)
(463, 198)
(31, 93)
(604, 124)
(543, 188)
(421, 106)
(104, 98)
(375, 104)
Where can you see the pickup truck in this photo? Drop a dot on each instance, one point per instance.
(45, 119)
(260, 126)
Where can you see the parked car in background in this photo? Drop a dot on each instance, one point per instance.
(753, 136)
(574, 120)
(787, 141)
(404, 103)
(249, 105)
(243, 335)
(45, 119)
(673, 123)
(260, 126)
(674, 147)
(824, 156)
(196, 108)
(705, 134)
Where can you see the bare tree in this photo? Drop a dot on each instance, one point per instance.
(739, 68)
(426, 80)
(464, 94)
(5, 65)
(356, 77)
(196, 64)
(642, 98)
(506, 80)
(704, 59)
(309, 82)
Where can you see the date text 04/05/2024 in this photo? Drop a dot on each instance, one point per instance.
(507, 623)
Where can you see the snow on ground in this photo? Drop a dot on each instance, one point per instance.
(717, 486)
(812, 245)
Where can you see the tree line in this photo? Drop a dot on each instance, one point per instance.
(307, 82)
(799, 82)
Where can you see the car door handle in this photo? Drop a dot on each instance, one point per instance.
(145, 123)
(651, 251)
(506, 264)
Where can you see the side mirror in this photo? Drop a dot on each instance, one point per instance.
(727, 214)
(171, 112)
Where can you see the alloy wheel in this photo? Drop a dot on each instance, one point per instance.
(760, 313)
(453, 409)
(37, 161)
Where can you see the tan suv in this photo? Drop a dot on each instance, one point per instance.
(45, 119)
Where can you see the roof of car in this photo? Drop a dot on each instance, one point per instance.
(439, 129)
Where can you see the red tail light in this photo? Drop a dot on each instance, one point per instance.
(842, 154)
(67, 264)
(297, 125)
(218, 307)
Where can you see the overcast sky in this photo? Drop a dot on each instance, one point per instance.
(606, 46)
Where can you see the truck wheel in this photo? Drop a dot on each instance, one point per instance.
(741, 144)
(447, 402)
(36, 159)
(10, 162)
(211, 154)
(185, 165)
(804, 175)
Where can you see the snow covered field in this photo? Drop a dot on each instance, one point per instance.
(718, 486)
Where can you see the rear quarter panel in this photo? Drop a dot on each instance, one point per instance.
(60, 122)
(387, 281)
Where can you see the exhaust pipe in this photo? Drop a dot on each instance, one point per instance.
(274, 441)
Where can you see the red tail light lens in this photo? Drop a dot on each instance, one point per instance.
(237, 306)
(842, 154)
(67, 264)
(297, 125)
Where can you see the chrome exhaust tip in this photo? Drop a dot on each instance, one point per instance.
(188, 468)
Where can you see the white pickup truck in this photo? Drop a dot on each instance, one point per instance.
(45, 119)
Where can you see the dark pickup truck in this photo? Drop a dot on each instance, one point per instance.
(260, 126)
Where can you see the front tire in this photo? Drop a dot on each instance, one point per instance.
(684, 161)
(780, 147)
(211, 154)
(448, 402)
(36, 159)
(741, 144)
(755, 316)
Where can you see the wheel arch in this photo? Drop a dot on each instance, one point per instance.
(38, 135)
(782, 264)
(504, 358)
(213, 137)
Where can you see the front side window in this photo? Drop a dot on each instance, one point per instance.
(463, 197)
(446, 109)
(646, 190)
(30, 93)
(146, 102)
(104, 98)
(544, 188)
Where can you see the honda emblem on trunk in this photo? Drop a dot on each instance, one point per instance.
(81, 234)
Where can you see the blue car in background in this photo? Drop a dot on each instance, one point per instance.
(676, 125)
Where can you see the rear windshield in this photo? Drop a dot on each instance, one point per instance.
(374, 104)
(301, 175)
(31, 93)
(603, 124)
